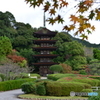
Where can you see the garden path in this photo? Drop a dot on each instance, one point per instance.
(11, 95)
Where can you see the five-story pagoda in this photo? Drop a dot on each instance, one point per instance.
(44, 46)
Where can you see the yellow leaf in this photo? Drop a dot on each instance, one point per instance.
(72, 27)
(84, 26)
(88, 2)
(74, 18)
(88, 25)
(93, 28)
(63, 3)
(81, 29)
(98, 16)
(52, 11)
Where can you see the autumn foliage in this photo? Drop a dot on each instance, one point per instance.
(80, 20)
(15, 58)
(66, 68)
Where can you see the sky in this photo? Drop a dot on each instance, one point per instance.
(26, 14)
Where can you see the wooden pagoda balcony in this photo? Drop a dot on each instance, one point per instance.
(44, 63)
(45, 56)
(44, 48)
(44, 41)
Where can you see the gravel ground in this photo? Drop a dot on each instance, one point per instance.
(11, 95)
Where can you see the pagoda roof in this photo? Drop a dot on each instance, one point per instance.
(44, 48)
(44, 63)
(44, 41)
(44, 32)
(45, 56)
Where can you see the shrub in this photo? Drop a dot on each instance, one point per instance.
(66, 68)
(87, 90)
(92, 82)
(34, 88)
(58, 76)
(11, 70)
(95, 77)
(63, 89)
(40, 88)
(2, 76)
(29, 87)
(56, 68)
(35, 74)
(94, 69)
(94, 98)
(83, 72)
(53, 89)
(42, 80)
(13, 84)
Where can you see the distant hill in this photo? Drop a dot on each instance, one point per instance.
(84, 42)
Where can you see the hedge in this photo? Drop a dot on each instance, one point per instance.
(92, 82)
(95, 77)
(13, 84)
(58, 76)
(87, 90)
(64, 88)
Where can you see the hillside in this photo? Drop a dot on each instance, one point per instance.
(84, 42)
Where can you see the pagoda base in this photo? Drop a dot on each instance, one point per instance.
(44, 70)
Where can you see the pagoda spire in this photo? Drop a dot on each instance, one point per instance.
(44, 23)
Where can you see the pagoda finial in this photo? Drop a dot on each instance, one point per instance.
(44, 24)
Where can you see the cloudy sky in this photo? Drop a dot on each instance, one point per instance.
(23, 13)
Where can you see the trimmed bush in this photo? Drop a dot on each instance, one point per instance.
(35, 74)
(58, 76)
(13, 84)
(29, 87)
(95, 77)
(40, 89)
(42, 80)
(34, 88)
(53, 89)
(56, 68)
(63, 89)
(92, 82)
(87, 90)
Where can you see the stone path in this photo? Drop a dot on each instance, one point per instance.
(11, 95)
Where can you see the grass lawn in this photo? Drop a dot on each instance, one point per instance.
(32, 96)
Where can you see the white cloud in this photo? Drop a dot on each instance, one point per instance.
(23, 13)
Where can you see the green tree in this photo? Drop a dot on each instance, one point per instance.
(96, 53)
(7, 25)
(24, 38)
(76, 62)
(75, 48)
(76, 57)
(61, 44)
(5, 46)
(63, 37)
(28, 54)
